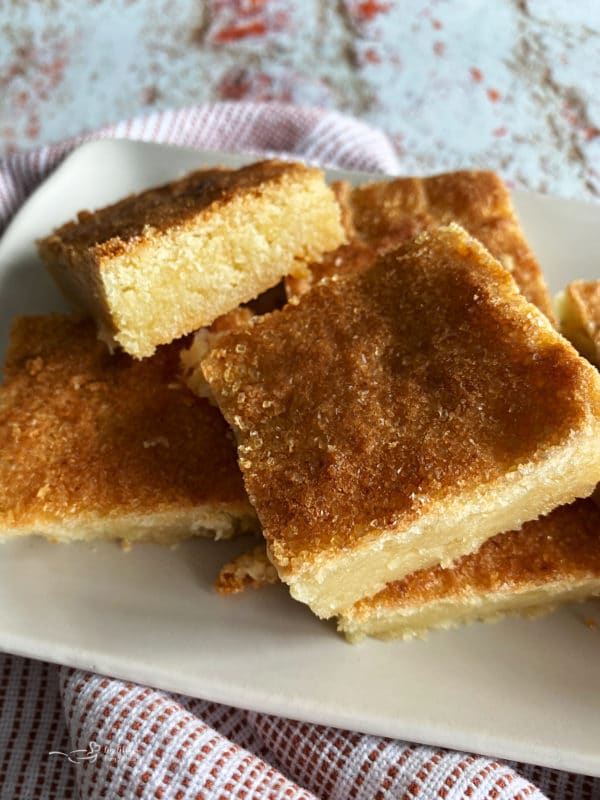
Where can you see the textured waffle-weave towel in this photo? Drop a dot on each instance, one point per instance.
(65, 733)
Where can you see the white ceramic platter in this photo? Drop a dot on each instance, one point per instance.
(528, 690)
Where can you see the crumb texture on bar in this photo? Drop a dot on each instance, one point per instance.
(381, 394)
(86, 435)
(161, 264)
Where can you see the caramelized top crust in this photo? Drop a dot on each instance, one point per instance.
(479, 201)
(109, 229)
(379, 393)
(565, 545)
(86, 433)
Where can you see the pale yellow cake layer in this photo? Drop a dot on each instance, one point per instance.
(413, 623)
(549, 561)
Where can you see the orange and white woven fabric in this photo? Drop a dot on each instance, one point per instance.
(65, 733)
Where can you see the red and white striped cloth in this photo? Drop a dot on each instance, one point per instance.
(65, 733)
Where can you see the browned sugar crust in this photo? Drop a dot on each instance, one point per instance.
(388, 212)
(86, 433)
(560, 547)
(380, 393)
(109, 229)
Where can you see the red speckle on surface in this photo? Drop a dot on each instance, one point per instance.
(494, 95)
(239, 84)
(439, 48)
(33, 75)
(502, 131)
(241, 8)
(437, 24)
(40, 89)
(150, 95)
(476, 74)
(368, 9)
(395, 59)
(285, 86)
(251, 6)
(570, 114)
(55, 71)
(33, 126)
(237, 20)
(575, 114)
(233, 33)
(372, 56)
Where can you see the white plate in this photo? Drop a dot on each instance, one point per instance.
(528, 690)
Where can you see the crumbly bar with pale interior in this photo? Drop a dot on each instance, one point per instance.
(397, 418)
(166, 262)
(579, 313)
(101, 446)
(529, 572)
(381, 215)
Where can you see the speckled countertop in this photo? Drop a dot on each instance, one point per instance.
(508, 85)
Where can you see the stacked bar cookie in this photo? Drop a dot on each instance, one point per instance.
(413, 434)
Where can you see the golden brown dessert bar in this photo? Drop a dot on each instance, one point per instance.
(579, 312)
(163, 263)
(549, 561)
(386, 213)
(399, 417)
(95, 445)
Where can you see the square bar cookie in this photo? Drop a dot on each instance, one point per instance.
(101, 446)
(163, 263)
(549, 561)
(397, 418)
